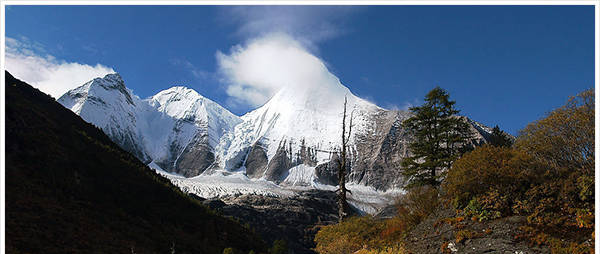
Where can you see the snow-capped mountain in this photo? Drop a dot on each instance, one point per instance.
(290, 140)
(175, 130)
(108, 104)
(296, 126)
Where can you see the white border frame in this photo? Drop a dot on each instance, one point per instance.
(3, 5)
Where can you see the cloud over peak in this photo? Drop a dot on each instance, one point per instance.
(277, 49)
(253, 73)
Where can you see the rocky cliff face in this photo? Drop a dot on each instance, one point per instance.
(379, 151)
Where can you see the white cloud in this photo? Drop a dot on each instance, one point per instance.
(253, 73)
(278, 53)
(52, 76)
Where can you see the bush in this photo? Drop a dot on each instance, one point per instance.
(394, 228)
(349, 236)
(368, 235)
(480, 212)
(563, 142)
(495, 176)
(416, 205)
(547, 176)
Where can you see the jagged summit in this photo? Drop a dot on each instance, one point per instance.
(98, 90)
(172, 130)
(184, 103)
(112, 78)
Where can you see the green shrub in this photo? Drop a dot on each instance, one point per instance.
(479, 212)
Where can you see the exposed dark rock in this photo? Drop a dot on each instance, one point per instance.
(378, 153)
(116, 82)
(196, 157)
(327, 173)
(293, 219)
(256, 162)
(496, 236)
(279, 164)
(306, 155)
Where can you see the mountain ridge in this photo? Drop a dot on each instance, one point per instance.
(290, 140)
(157, 129)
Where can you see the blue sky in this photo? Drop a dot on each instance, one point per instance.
(505, 65)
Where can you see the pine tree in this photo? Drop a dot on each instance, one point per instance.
(500, 138)
(439, 138)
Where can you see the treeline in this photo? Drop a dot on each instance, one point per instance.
(546, 175)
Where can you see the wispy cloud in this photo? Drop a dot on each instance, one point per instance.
(308, 24)
(198, 73)
(29, 62)
(91, 48)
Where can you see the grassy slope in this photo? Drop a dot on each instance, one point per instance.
(69, 189)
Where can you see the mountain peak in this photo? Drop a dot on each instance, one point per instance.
(114, 76)
(177, 93)
(109, 82)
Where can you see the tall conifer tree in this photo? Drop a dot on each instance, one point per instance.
(500, 138)
(440, 136)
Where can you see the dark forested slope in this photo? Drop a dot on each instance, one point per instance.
(70, 189)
